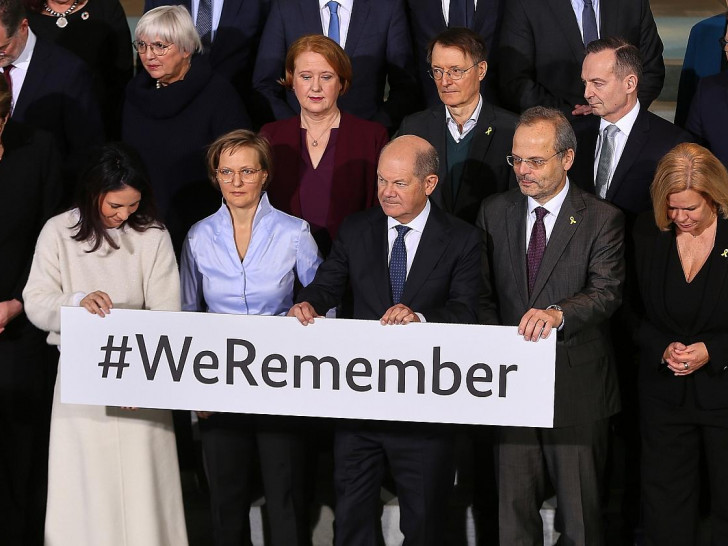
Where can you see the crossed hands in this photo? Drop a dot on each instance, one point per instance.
(685, 359)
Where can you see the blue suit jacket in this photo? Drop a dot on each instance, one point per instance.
(236, 38)
(703, 57)
(378, 44)
(709, 115)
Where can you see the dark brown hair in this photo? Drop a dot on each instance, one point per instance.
(113, 166)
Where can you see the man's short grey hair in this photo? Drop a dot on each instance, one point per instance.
(565, 137)
(627, 57)
(171, 24)
(426, 163)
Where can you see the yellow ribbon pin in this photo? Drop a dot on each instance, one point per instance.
(573, 221)
(489, 131)
(725, 253)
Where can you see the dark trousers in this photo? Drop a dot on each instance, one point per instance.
(27, 372)
(672, 438)
(572, 459)
(229, 445)
(421, 461)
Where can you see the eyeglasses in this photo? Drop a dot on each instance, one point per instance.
(453, 73)
(158, 48)
(722, 41)
(534, 164)
(247, 176)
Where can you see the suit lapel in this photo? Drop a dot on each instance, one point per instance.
(637, 139)
(717, 275)
(609, 24)
(660, 263)
(37, 70)
(516, 234)
(438, 129)
(564, 15)
(378, 252)
(310, 13)
(434, 241)
(357, 26)
(568, 222)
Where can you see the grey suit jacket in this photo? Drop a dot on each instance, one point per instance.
(486, 170)
(582, 271)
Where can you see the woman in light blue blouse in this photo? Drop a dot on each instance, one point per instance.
(245, 259)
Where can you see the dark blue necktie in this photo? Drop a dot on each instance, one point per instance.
(589, 23)
(334, 29)
(204, 22)
(398, 264)
(461, 13)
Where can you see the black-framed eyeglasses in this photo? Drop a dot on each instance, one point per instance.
(535, 164)
(452, 73)
(247, 175)
(158, 48)
(722, 41)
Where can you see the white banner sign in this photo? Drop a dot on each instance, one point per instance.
(355, 369)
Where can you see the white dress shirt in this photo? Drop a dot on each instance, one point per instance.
(620, 140)
(578, 7)
(553, 206)
(21, 65)
(446, 9)
(344, 13)
(468, 126)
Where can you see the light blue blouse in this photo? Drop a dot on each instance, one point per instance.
(215, 280)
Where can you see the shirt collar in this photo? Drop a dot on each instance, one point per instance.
(23, 59)
(624, 124)
(554, 204)
(473, 117)
(417, 223)
(346, 4)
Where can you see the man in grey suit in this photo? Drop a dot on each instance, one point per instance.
(472, 137)
(556, 262)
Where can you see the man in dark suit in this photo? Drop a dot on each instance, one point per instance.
(612, 75)
(373, 33)
(471, 136)
(30, 191)
(556, 264)
(51, 88)
(542, 46)
(620, 169)
(406, 262)
(235, 29)
(428, 18)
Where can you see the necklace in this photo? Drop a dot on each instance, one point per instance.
(62, 21)
(315, 141)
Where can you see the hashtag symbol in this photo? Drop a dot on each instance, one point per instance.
(109, 350)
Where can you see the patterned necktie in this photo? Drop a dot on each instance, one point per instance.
(8, 78)
(398, 264)
(605, 161)
(204, 22)
(589, 23)
(536, 247)
(334, 31)
(461, 13)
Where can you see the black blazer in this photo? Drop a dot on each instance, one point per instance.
(235, 43)
(57, 96)
(708, 117)
(443, 283)
(583, 272)
(30, 191)
(657, 330)
(378, 44)
(541, 51)
(650, 139)
(427, 21)
(486, 171)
